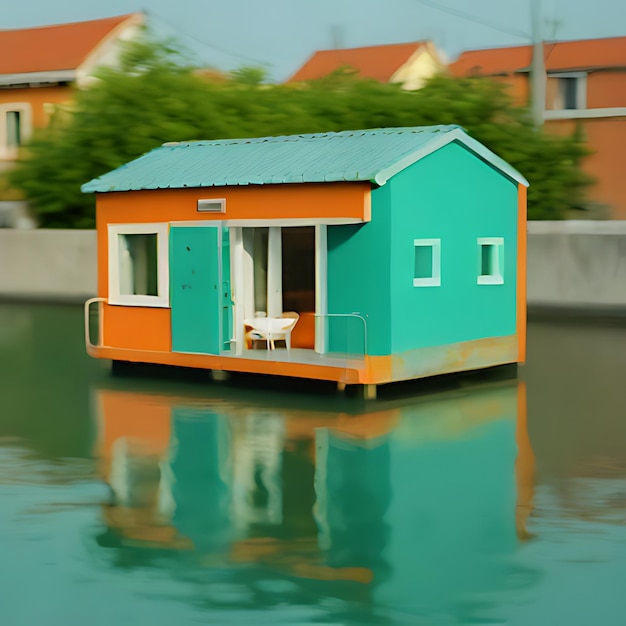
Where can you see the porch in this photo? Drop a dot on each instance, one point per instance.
(348, 368)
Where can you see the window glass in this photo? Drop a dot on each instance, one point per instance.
(568, 89)
(423, 262)
(490, 261)
(487, 259)
(138, 264)
(426, 270)
(14, 133)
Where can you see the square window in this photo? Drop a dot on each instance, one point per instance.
(427, 266)
(490, 261)
(138, 265)
(567, 91)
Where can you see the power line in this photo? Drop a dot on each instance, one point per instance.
(212, 46)
(471, 18)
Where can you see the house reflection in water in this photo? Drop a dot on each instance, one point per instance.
(413, 504)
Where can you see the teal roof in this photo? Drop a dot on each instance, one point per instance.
(360, 155)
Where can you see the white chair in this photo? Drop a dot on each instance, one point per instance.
(289, 321)
(272, 329)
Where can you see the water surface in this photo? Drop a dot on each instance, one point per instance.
(161, 501)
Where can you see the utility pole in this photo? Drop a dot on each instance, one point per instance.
(538, 67)
(337, 32)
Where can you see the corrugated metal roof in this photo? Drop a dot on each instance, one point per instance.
(364, 155)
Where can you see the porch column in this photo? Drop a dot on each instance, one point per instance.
(274, 272)
(321, 287)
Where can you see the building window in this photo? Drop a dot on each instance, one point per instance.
(13, 130)
(427, 270)
(571, 91)
(138, 265)
(15, 127)
(491, 261)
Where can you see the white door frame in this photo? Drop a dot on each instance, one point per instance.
(242, 272)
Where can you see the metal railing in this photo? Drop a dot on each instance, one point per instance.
(348, 336)
(88, 304)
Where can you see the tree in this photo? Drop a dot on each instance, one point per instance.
(152, 98)
(155, 97)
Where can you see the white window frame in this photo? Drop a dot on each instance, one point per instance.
(161, 230)
(435, 279)
(497, 277)
(24, 109)
(581, 89)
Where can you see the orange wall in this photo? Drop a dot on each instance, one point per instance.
(606, 89)
(146, 328)
(138, 328)
(521, 273)
(607, 138)
(37, 96)
(311, 200)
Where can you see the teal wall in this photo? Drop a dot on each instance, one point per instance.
(359, 280)
(454, 196)
(451, 195)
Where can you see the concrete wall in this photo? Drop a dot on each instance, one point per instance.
(579, 265)
(48, 264)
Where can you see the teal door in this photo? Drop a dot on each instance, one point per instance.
(199, 290)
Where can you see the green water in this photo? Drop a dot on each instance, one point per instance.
(160, 501)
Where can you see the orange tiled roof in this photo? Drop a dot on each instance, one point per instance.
(53, 48)
(559, 56)
(492, 62)
(376, 62)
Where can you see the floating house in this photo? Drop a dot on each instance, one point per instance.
(361, 257)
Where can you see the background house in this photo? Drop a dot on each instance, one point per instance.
(40, 66)
(585, 90)
(409, 64)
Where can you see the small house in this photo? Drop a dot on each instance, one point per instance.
(407, 64)
(361, 257)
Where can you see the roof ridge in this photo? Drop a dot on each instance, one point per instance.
(392, 130)
(122, 16)
(546, 42)
(419, 42)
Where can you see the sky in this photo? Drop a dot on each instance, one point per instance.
(280, 35)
